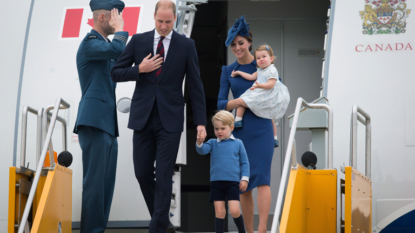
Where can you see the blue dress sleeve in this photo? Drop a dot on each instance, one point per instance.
(243, 161)
(224, 89)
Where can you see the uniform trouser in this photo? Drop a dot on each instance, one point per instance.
(99, 160)
(154, 143)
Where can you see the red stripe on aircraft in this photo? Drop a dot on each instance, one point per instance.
(130, 16)
(72, 24)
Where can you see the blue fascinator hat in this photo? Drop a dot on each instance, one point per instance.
(239, 28)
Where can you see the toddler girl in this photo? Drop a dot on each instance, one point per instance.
(268, 97)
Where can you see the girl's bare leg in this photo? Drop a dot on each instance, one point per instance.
(276, 143)
(241, 102)
(275, 128)
(235, 103)
(240, 111)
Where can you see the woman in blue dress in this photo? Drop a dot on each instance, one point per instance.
(257, 133)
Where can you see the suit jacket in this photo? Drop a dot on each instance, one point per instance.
(94, 61)
(166, 89)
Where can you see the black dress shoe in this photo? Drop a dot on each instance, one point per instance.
(170, 229)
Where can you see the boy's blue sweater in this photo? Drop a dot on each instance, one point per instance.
(228, 161)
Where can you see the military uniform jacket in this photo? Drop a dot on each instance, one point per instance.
(94, 60)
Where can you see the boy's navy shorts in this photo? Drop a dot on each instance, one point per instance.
(224, 191)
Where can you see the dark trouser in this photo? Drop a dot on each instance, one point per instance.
(154, 143)
(99, 160)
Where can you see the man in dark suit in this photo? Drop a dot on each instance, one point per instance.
(96, 123)
(157, 108)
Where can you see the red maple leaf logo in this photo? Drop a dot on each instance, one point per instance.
(91, 22)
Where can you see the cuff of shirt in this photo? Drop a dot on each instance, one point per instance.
(245, 178)
(199, 146)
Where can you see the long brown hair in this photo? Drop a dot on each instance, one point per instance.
(249, 39)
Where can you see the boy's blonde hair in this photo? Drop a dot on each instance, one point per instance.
(265, 48)
(225, 117)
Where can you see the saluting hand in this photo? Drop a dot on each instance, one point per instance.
(116, 22)
(150, 64)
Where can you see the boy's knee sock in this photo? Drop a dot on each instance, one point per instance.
(240, 224)
(220, 225)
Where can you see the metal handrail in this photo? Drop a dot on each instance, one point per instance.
(353, 138)
(183, 9)
(190, 8)
(45, 120)
(25, 110)
(48, 137)
(291, 150)
(294, 155)
(39, 135)
(63, 121)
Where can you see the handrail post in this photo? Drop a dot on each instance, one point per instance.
(23, 139)
(291, 151)
(64, 137)
(46, 121)
(39, 135)
(356, 110)
(353, 140)
(368, 171)
(330, 138)
(277, 212)
(294, 155)
(44, 129)
(25, 110)
(35, 181)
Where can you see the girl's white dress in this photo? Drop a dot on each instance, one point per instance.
(268, 103)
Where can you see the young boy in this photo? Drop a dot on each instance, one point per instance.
(229, 170)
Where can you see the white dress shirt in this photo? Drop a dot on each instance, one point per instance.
(166, 43)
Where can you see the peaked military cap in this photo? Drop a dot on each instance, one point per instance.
(106, 5)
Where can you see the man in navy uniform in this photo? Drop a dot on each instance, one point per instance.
(96, 123)
(157, 108)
